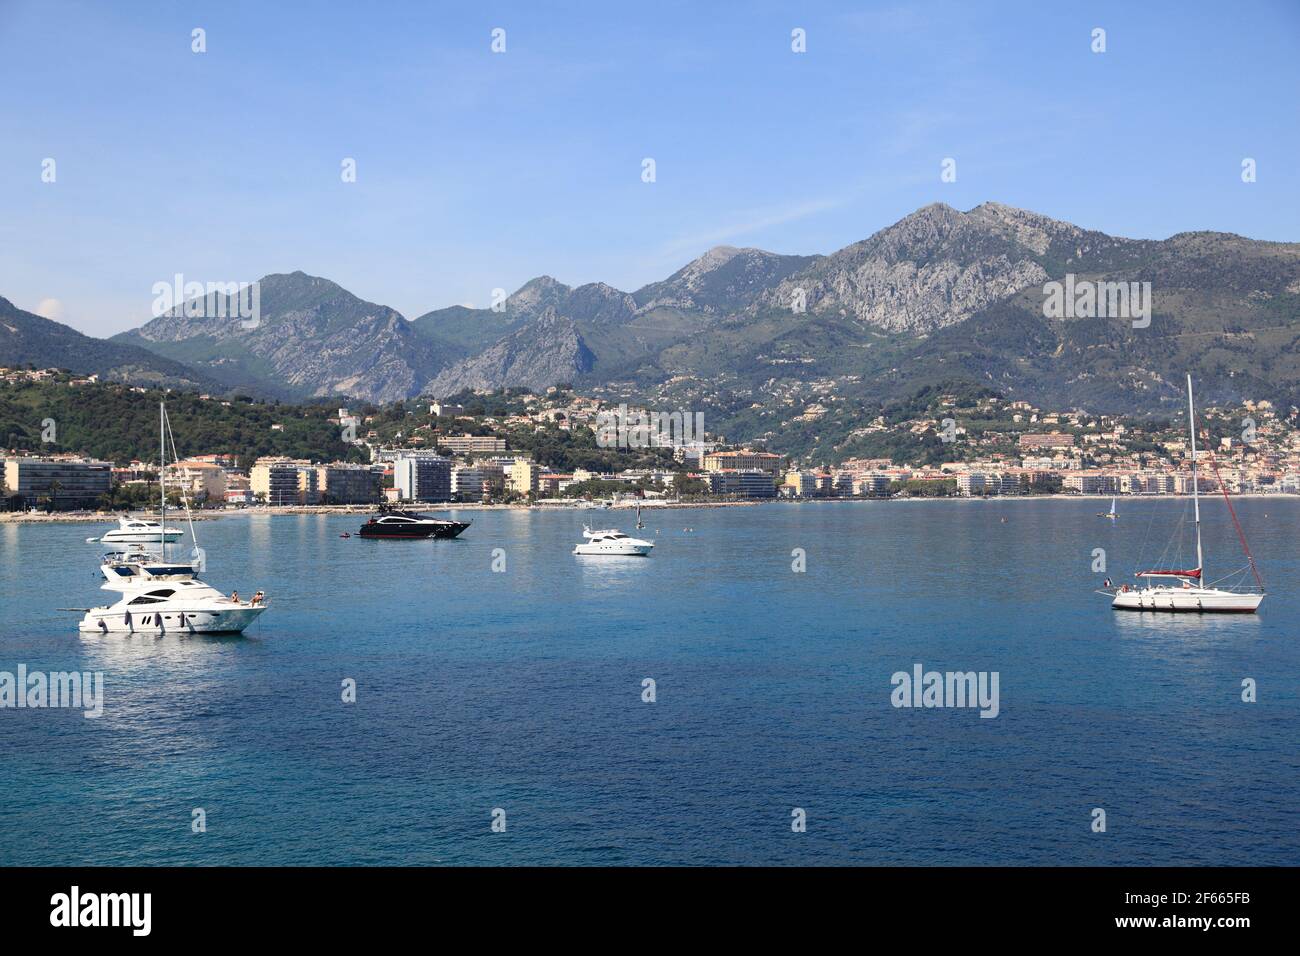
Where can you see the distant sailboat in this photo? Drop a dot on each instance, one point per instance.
(1192, 594)
(1112, 514)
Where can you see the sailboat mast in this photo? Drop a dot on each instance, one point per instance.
(1196, 483)
(162, 479)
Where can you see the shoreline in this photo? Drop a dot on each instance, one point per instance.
(101, 517)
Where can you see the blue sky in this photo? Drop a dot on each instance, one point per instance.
(478, 170)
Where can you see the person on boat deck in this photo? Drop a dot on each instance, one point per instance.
(234, 596)
(258, 598)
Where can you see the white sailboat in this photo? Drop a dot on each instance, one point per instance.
(1191, 594)
(159, 596)
(1112, 514)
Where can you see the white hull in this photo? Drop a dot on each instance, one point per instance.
(610, 542)
(140, 531)
(177, 619)
(624, 549)
(141, 537)
(1191, 600)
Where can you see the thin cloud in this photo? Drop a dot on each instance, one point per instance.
(754, 221)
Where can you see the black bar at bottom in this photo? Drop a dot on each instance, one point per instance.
(238, 904)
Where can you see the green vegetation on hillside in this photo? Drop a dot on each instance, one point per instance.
(116, 423)
(566, 450)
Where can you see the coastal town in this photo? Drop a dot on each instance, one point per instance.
(501, 448)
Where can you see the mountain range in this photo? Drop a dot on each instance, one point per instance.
(939, 296)
(27, 338)
(313, 339)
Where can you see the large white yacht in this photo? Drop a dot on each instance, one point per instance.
(159, 595)
(139, 531)
(611, 541)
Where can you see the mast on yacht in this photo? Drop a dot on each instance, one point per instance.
(1196, 483)
(162, 478)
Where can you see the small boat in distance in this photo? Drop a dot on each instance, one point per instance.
(139, 531)
(1112, 514)
(396, 523)
(612, 542)
(1192, 594)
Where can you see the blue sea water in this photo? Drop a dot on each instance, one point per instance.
(522, 690)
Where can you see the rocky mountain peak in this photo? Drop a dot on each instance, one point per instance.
(545, 351)
(536, 294)
(312, 337)
(932, 268)
(1027, 228)
(724, 279)
(715, 257)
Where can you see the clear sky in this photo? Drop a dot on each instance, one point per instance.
(478, 170)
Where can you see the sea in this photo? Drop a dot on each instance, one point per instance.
(729, 700)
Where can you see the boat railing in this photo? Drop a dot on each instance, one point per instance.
(134, 556)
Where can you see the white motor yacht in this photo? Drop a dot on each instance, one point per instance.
(160, 596)
(611, 541)
(139, 531)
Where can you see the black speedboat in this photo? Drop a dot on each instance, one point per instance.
(395, 523)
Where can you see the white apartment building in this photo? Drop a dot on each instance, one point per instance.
(468, 483)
